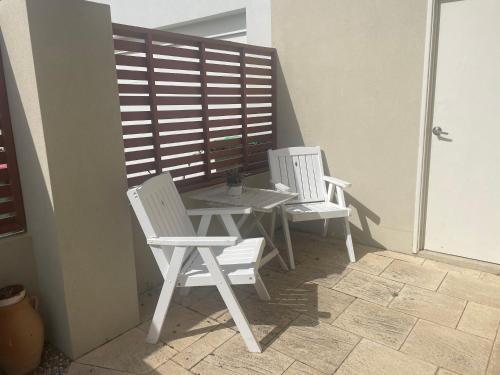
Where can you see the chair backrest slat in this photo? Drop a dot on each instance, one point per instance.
(159, 208)
(301, 169)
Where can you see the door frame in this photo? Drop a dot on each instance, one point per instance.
(426, 113)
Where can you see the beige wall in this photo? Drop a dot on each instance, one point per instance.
(17, 263)
(350, 82)
(62, 91)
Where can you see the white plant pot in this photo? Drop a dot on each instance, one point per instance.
(235, 191)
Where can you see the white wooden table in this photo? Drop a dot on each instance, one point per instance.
(261, 201)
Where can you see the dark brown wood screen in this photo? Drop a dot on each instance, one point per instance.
(193, 106)
(12, 218)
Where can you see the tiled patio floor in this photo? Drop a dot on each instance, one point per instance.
(389, 313)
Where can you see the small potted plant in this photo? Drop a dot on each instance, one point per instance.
(234, 182)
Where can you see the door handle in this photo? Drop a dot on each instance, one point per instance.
(436, 130)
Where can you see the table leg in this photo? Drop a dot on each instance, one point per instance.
(286, 230)
(272, 229)
(274, 252)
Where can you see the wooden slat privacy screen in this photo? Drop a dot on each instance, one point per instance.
(193, 106)
(12, 218)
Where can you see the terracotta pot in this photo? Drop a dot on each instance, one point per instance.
(21, 332)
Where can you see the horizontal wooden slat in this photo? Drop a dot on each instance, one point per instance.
(259, 99)
(257, 61)
(223, 79)
(261, 138)
(257, 110)
(176, 126)
(132, 75)
(216, 56)
(125, 88)
(257, 71)
(174, 51)
(179, 90)
(219, 68)
(134, 100)
(224, 111)
(227, 163)
(137, 129)
(137, 180)
(252, 149)
(130, 60)
(179, 114)
(181, 149)
(136, 115)
(259, 91)
(7, 207)
(5, 191)
(178, 100)
(127, 45)
(141, 167)
(225, 122)
(258, 129)
(216, 145)
(138, 155)
(227, 152)
(257, 157)
(182, 160)
(184, 137)
(4, 175)
(223, 91)
(176, 77)
(258, 81)
(259, 119)
(187, 171)
(3, 157)
(225, 133)
(138, 142)
(224, 100)
(176, 64)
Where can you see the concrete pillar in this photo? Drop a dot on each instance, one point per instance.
(59, 67)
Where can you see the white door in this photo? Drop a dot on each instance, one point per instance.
(463, 207)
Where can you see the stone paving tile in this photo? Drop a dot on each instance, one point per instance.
(368, 287)
(204, 346)
(317, 302)
(410, 258)
(194, 295)
(443, 371)
(369, 358)
(371, 263)
(298, 368)
(129, 353)
(450, 268)
(318, 345)
(183, 327)
(436, 307)
(472, 289)
(449, 348)
(489, 277)
(480, 320)
(494, 365)
(170, 368)
(325, 274)
(213, 305)
(234, 358)
(267, 319)
(147, 303)
(377, 323)
(412, 274)
(79, 369)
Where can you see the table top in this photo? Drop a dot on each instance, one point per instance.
(258, 199)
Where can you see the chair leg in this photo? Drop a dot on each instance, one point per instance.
(166, 294)
(288, 239)
(348, 240)
(261, 288)
(325, 227)
(227, 294)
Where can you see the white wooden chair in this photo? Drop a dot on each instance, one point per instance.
(300, 170)
(188, 258)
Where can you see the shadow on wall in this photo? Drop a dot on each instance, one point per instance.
(36, 197)
(290, 135)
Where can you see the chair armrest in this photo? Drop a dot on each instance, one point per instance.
(337, 181)
(220, 211)
(280, 187)
(193, 241)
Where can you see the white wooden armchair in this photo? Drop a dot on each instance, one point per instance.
(300, 170)
(187, 258)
